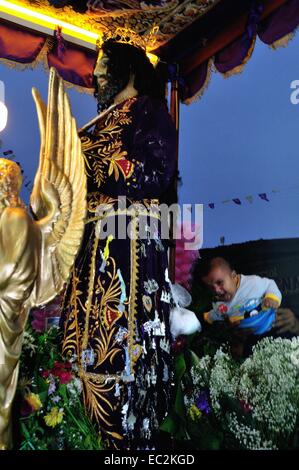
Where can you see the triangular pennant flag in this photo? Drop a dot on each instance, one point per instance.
(275, 191)
(249, 199)
(264, 197)
(226, 201)
(237, 201)
(212, 205)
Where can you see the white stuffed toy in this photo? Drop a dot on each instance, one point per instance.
(182, 321)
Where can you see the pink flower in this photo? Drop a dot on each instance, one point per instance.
(186, 234)
(61, 370)
(65, 377)
(246, 407)
(45, 373)
(62, 365)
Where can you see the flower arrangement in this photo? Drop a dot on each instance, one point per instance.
(50, 412)
(252, 404)
(228, 403)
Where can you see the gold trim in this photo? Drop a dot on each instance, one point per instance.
(284, 41)
(133, 294)
(239, 68)
(132, 346)
(90, 292)
(172, 17)
(100, 378)
(200, 92)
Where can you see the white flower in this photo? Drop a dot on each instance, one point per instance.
(29, 343)
(75, 387)
(268, 381)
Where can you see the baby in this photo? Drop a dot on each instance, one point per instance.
(233, 291)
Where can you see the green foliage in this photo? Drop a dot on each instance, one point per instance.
(49, 408)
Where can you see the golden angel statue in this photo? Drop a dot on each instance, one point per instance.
(36, 256)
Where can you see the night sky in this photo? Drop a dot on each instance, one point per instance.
(240, 139)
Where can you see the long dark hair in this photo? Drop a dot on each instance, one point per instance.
(125, 60)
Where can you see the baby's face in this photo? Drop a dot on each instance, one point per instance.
(222, 282)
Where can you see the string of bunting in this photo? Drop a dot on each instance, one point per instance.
(250, 198)
(28, 183)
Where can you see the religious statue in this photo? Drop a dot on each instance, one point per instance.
(36, 256)
(115, 314)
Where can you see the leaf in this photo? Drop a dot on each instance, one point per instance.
(43, 396)
(63, 392)
(203, 435)
(42, 385)
(179, 366)
(173, 425)
(194, 359)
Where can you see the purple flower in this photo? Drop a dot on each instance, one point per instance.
(52, 387)
(202, 403)
(56, 399)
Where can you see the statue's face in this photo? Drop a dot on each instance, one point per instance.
(10, 178)
(109, 80)
(100, 71)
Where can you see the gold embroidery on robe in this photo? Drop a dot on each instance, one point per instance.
(105, 157)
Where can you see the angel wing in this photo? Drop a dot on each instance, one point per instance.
(58, 199)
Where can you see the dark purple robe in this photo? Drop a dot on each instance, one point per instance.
(116, 308)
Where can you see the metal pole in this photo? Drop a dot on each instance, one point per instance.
(175, 114)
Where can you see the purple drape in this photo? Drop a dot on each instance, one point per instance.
(18, 44)
(236, 53)
(75, 65)
(277, 25)
(280, 23)
(194, 81)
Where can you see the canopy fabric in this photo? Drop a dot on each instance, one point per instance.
(172, 16)
(229, 49)
(199, 35)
